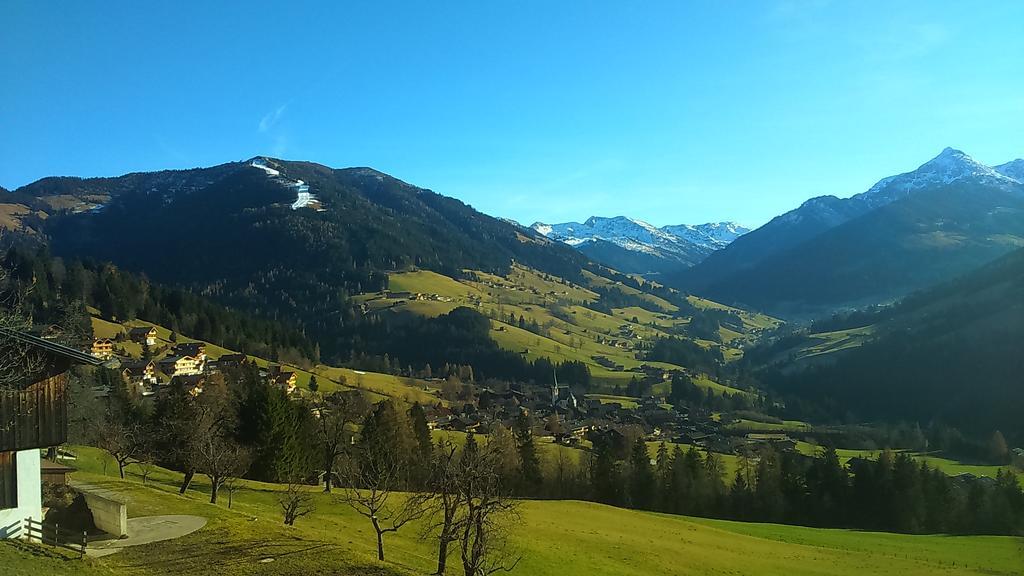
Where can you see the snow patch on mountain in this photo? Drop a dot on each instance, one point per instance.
(262, 165)
(303, 197)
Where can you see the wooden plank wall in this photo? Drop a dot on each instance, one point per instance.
(35, 417)
(8, 481)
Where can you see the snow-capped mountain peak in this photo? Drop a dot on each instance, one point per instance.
(951, 165)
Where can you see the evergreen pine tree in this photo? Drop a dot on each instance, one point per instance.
(530, 472)
(642, 483)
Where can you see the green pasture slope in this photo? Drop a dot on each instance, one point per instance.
(579, 334)
(563, 538)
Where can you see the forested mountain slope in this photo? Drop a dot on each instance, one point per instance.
(244, 234)
(950, 354)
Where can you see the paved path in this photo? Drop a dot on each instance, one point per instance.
(147, 529)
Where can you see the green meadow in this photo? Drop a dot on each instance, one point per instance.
(564, 538)
(574, 331)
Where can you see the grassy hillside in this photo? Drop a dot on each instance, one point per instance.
(554, 537)
(574, 328)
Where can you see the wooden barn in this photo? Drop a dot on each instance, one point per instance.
(33, 416)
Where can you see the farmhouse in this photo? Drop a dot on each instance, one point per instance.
(103, 348)
(33, 415)
(143, 335)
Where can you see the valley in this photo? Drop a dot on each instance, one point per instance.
(400, 319)
(527, 288)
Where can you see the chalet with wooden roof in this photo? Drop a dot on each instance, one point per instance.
(103, 348)
(285, 381)
(33, 415)
(181, 366)
(138, 372)
(143, 335)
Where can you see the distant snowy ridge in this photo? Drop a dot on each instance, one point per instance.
(684, 242)
(712, 234)
(303, 197)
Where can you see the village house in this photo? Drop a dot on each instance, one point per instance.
(33, 415)
(225, 362)
(138, 372)
(196, 349)
(103, 348)
(143, 335)
(285, 381)
(181, 366)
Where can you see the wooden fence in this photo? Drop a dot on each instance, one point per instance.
(54, 535)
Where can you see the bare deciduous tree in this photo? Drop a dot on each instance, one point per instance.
(336, 415)
(231, 485)
(16, 358)
(295, 502)
(444, 503)
(125, 442)
(221, 458)
(371, 482)
(193, 422)
(489, 511)
(146, 464)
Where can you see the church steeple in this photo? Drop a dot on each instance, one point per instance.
(554, 387)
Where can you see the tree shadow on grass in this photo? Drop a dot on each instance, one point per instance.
(226, 553)
(38, 550)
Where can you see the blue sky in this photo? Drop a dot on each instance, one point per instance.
(672, 112)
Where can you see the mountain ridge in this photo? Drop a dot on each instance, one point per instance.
(791, 237)
(635, 246)
(268, 249)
